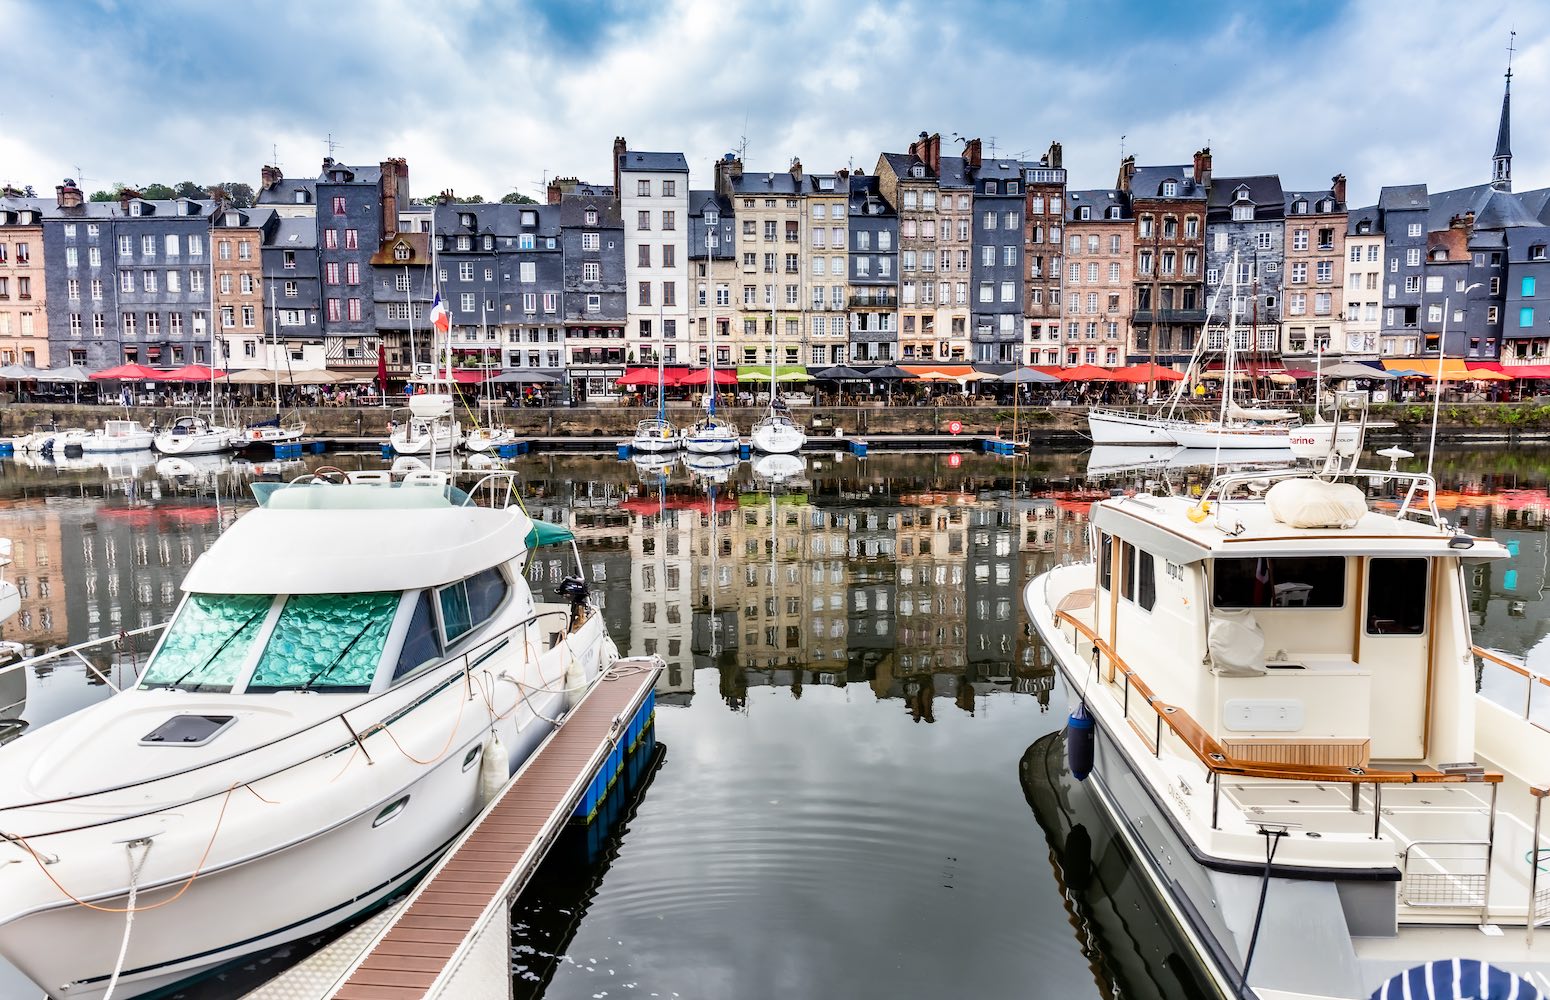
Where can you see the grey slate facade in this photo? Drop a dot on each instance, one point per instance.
(996, 300)
(157, 256)
(874, 274)
(1245, 216)
(290, 261)
(593, 280)
(356, 208)
(712, 257)
(1526, 319)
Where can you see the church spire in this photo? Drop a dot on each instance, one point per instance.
(1501, 160)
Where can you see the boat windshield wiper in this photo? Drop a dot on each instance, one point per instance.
(324, 671)
(221, 648)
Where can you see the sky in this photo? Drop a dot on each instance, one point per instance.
(485, 98)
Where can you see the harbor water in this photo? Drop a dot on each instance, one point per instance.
(859, 788)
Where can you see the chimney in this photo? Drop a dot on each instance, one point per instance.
(620, 147)
(1337, 188)
(1052, 159)
(10, 192)
(555, 193)
(125, 196)
(843, 174)
(1127, 172)
(796, 171)
(394, 188)
(934, 154)
(67, 195)
(328, 161)
(268, 177)
(1203, 166)
(971, 154)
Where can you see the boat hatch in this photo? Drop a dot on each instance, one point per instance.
(188, 730)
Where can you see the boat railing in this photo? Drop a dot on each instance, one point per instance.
(353, 735)
(1538, 898)
(1219, 762)
(1518, 667)
(121, 642)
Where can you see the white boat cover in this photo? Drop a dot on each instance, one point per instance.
(1314, 503)
(1236, 644)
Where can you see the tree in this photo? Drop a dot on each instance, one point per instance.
(107, 195)
(157, 192)
(241, 194)
(188, 189)
(517, 198)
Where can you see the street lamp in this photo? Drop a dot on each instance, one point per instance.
(1442, 352)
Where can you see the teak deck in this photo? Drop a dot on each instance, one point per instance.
(506, 843)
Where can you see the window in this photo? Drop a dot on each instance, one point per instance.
(1414, 230)
(643, 293)
(1243, 213)
(1285, 582)
(208, 642)
(1526, 317)
(352, 273)
(1326, 271)
(643, 220)
(354, 310)
(669, 220)
(1528, 286)
(591, 271)
(339, 205)
(1396, 596)
(643, 188)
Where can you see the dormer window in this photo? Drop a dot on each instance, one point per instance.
(591, 216)
(233, 219)
(1536, 252)
(826, 183)
(489, 243)
(918, 170)
(1011, 187)
(134, 208)
(1170, 189)
(1364, 228)
(1326, 206)
(1243, 212)
(1113, 212)
(1084, 213)
(401, 252)
(991, 187)
(1242, 194)
(530, 218)
(466, 219)
(1299, 207)
(301, 197)
(465, 243)
(711, 215)
(1439, 254)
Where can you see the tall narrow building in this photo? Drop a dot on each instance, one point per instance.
(1044, 184)
(654, 200)
(1170, 206)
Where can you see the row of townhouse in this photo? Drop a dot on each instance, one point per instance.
(930, 258)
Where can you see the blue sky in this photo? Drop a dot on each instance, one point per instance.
(483, 98)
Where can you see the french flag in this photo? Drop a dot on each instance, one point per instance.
(441, 319)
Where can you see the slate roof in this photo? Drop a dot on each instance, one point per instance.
(284, 192)
(1356, 216)
(811, 183)
(1264, 192)
(1099, 200)
(574, 206)
(901, 164)
(635, 159)
(1313, 198)
(369, 174)
(160, 209)
(952, 173)
(865, 190)
(1011, 170)
(495, 219)
(1148, 181)
(292, 233)
(248, 218)
(1402, 197)
(780, 182)
(726, 248)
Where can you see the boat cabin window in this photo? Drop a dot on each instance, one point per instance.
(205, 647)
(1137, 573)
(326, 641)
(1279, 582)
(422, 644)
(1105, 561)
(469, 603)
(1396, 596)
(1127, 571)
(1146, 580)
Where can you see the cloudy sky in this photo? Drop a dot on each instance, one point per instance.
(487, 97)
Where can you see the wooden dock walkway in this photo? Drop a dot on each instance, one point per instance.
(450, 937)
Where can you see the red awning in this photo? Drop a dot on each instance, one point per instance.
(469, 376)
(1302, 374)
(1520, 372)
(1084, 373)
(132, 373)
(1253, 369)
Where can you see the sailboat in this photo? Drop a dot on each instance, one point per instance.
(276, 430)
(711, 434)
(492, 435)
(775, 432)
(431, 429)
(195, 434)
(1236, 426)
(657, 434)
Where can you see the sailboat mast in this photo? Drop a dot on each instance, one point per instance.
(661, 365)
(274, 348)
(409, 317)
(1232, 341)
(772, 347)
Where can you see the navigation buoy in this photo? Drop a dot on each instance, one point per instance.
(1079, 742)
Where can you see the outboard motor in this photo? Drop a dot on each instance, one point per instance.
(575, 589)
(1079, 742)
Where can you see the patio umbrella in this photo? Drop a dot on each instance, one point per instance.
(888, 372)
(841, 373)
(1301, 374)
(71, 374)
(1481, 375)
(252, 376)
(1086, 373)
(311, 376)
(701, 376)
(1147, 373)
(506, 378)
(761, 373)
(128, 373)
(1349, 369)
(19, 373)
(644, 377)
(192, 373)
(1028, 376)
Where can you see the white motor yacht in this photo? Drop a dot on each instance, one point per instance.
(194, 435)
(306, 739)
(1274, 696)
(482, 439)
(118, 435)
(270, 432)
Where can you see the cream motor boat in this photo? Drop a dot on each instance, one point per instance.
(1275, 699)
(350, 663)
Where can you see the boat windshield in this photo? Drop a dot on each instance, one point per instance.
(326, 642)
(207, 644)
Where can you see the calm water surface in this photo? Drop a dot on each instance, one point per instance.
(859, 787)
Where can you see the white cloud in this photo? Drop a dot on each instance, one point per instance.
(481, 101)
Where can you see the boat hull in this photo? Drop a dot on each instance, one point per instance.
(711, 444)
(653, 444)
(1108, 427)
(1208, 437)
(193, 444)
(130, 442)
(781, 439)
(331, 868)
(440, 441)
